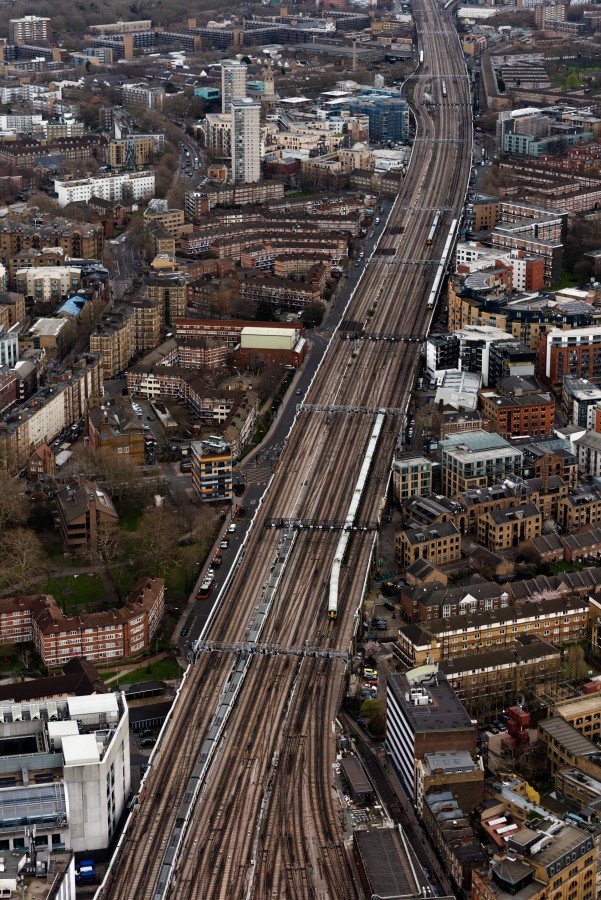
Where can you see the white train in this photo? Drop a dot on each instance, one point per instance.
(440, 269)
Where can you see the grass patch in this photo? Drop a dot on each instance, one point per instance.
(162, 670)
(559, 567)
(106, 675)
(75, 593)
(567, 280)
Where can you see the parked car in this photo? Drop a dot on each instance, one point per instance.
(231, 528)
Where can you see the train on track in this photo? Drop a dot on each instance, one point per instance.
(352, 515)
(440, 270)
(444, 88)
(433, 228)
(421, 57)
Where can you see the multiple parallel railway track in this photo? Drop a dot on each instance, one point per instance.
(267, 823)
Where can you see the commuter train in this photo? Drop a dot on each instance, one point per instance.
(444, 88)
(421, 57)
(352, 515)
(440, 270)
(432, 231)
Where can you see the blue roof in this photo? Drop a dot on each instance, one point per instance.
(73, 306)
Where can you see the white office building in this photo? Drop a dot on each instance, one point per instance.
(127, 186)
(70, 771)
(246, 141)
(233, 83)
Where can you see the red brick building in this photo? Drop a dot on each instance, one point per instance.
(101, 636)
(228, 330)
(529, 414)
(42, 462)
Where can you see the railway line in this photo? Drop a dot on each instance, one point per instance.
(258, 816)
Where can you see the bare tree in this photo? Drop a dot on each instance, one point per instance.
(21, 560)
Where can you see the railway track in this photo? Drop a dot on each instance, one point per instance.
(266, 823)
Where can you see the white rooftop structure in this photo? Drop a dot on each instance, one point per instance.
(459, 389)
(80, 749)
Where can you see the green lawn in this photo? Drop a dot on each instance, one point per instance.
(75, 593)
(163, 670)
(567, 280)
(567, 567)
(106, 675)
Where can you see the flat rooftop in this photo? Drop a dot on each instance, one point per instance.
(390, 864)
(443, 712)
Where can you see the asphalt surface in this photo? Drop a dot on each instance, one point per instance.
(256, 468)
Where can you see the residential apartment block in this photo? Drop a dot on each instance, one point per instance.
(506, 528)
(553, 862)
(50, 411)
(86, 513)
(212, 469)
(518, 415)
(476, 459)
(439, 544)
(30, 30)
(576, 352)
(126, 186)
(169, 293)
(411, 477)
(488, 682)
(78, 240)
(559, 621)
(246, 140)
(113, 340)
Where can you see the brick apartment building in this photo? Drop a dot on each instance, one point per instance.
(560, 621)
(85, 512)
(507, 528)
(113, 429)
(101, 636)
(439, 544)
(576, 352)
(513, 416)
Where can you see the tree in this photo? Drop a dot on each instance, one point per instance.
(373, 711)
(314, 313)
(265, 312)
(21, 559)
(12, 502)
(154, 545)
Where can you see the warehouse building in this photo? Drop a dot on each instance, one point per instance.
(262, 345)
